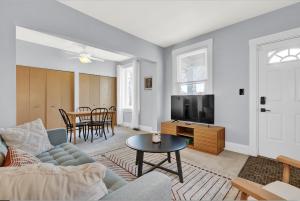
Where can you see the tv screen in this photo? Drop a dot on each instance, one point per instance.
(194, 108)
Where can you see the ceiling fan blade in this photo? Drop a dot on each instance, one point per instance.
(97, 59)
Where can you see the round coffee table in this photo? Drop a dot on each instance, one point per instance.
(169, 143)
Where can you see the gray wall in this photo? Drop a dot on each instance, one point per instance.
(231, 67)
(54, 18)
(147, 97)
(147, 100)
(30, 54)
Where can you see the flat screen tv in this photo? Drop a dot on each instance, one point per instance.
(193, 108)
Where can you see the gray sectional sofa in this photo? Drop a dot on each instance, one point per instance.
(152, 186)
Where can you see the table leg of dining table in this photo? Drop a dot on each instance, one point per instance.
(113, 123)
(74, 127)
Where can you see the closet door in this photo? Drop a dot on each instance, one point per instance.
(107, 91)
(37, 93)
(84, 90)
(94, 91)
(22, 95)
(67, 92)
(54, 91)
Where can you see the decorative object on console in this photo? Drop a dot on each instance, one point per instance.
(18, 158)
(30, 137)
(148, 83)
(156, 138)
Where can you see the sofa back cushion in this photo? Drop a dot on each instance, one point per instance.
(3, 151)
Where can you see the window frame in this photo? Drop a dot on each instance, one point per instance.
(124, 88)
(208, 44)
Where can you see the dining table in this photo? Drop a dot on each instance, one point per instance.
(73, 116)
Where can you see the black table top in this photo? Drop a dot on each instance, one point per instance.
(169, 143)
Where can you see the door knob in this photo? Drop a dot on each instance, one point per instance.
(264, 110)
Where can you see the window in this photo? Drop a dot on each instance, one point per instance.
(192, 66)
(128, 87)
(292, 54)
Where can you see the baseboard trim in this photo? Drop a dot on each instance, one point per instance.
(126, 124)
(146, 128)
(239, 148)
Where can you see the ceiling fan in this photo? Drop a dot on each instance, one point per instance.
(84, 58)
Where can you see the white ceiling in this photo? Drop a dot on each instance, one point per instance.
(67, 45)
(167, 22)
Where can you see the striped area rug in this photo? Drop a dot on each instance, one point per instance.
(199, 184)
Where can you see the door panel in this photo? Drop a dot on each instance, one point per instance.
(37, 93)
(84, 90)
(279, 82)
(94, 91)
(54, 91)
(22, 95)
(107, 91)
(67, 92)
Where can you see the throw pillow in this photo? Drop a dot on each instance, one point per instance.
(46, 181)
(17, 158)
(30, 137)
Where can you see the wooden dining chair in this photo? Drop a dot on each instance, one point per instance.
(85, 119)
(69, 125)
(109, 120)
(98, 118)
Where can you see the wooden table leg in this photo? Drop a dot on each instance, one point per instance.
(113, 123)
(74, 127)
(178, 160)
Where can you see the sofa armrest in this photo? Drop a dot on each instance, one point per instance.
(57, 136)
(152, 186)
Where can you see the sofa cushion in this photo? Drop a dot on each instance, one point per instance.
(113, 181)
(3, 151)
(65, 154)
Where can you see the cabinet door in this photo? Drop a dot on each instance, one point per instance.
(94, 91)
(84, 90)
(22, 95)
(67, 92)
(37, 91)
(54, 119)
(107, 91)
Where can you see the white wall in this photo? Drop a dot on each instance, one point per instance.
(54, 18)
(34, 55)
(231, 68)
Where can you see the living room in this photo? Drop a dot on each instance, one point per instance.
(193, 90)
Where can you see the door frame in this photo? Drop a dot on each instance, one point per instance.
(254, 46)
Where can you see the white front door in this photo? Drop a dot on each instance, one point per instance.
(279, 94)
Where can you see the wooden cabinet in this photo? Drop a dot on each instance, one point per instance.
(97, 91)
(205, 138)
(41, 92)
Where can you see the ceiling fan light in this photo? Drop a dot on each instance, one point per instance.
(85, 59)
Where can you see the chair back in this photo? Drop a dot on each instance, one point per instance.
(84, 109)
(110, 115)
(65, 117)
(99, 115)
